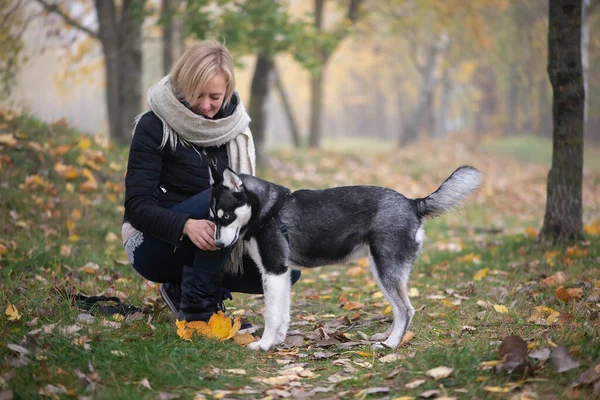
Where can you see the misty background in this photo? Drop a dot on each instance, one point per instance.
(405, 70)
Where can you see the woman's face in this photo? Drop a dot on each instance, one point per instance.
(211, 98)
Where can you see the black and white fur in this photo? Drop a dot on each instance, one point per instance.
(329, 226)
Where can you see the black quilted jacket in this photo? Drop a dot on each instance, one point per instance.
(158, 179)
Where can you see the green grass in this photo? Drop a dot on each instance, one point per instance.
(40, 251)
(536, 149)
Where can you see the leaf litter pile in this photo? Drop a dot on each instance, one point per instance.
(497, 314)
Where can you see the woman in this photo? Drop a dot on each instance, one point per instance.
(196, 119)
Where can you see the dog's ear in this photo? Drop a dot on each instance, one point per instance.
(214, 175)
(231, 180)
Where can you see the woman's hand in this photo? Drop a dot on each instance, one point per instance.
(201, 232)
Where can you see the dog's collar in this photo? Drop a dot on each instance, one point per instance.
(272, 215)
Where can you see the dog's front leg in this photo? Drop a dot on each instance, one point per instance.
(277, 309)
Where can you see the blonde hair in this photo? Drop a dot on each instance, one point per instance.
(197, 66)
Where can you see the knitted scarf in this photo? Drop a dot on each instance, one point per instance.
(179, 122)
(203, 132)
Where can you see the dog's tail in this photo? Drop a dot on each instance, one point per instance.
(464, 181)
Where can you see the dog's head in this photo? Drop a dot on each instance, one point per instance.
(229, 206)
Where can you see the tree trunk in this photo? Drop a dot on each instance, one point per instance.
(167, 35)
(119, 32)
(262, 81)
(109, 37)
(130, 70)
(316, 83)
(563, 218)
(287, 107)
(179, 31)
(440, 125)
(316, 106)
(585, 59)
(428, 125)
(412, 127)
(510, 128)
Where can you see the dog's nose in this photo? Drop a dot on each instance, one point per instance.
(219, 244)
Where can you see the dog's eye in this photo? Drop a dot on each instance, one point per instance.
(226, 217)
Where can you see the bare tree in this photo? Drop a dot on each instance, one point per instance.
(317, 76)
(563, 220)
(120, 34)
(429, 71)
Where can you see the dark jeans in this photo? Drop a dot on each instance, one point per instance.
(160, 261)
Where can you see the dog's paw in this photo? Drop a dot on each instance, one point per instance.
(260, 345)
(390, 345)
(379, 337)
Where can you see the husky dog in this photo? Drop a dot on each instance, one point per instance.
(311, 228)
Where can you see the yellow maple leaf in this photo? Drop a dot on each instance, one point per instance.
(501, 309)
(219, 327)
(84, 143)
(182, 331)
(243, 339)
(12, 313)
(480, 274)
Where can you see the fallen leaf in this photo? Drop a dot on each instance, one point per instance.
(244, 339)
(556, 279)
(439, 372)
(430, 394)
(479, 275)
(145, 383)
(540, 354)
(65, 250)
(294, 341)
(497, 389)
(513, 352)
(90, 268)
(569, 294)
(406, 338)
(236, 371)
(182, 331)
(563, 360)
(320, 355)
(588, 377)
(12, 313)
(415, 383)
(500, 308)
(391, 358)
